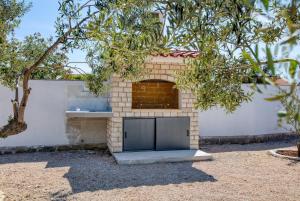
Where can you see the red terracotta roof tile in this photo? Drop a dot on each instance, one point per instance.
(282, 81)
(181, 53)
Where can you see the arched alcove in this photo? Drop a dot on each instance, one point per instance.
(154, 94)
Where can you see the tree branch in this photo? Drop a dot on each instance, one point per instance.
(57, 42)
(280, 61)
(28, 71)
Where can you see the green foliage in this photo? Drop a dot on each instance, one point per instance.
(277, 97)
(215, 81)
(291, 112)
(126, 32)
(11, 12)
(79, 77)
(17, 55)
(293, 68)
(254, 64)
(266, 4)
(218, 30)
(270, 62)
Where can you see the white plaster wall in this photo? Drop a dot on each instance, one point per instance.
(45, 114)
(257, 117)
(47, 124)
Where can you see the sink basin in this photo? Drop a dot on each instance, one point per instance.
(74, 111)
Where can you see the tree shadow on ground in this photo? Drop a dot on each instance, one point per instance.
(293, 162)
(249, 147)
(105, 174)
(93, 172)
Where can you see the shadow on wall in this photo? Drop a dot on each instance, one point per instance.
(92, 172)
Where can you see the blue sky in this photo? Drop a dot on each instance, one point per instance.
(41, 18)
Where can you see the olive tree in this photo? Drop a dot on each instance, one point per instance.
(34, 57)
(119, 35)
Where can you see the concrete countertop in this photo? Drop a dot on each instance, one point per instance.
(88, 114)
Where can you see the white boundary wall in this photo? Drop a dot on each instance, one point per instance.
(45, 115)
(257, 117)
(48, 102)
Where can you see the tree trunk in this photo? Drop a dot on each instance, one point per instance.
(12, 128)
(24, 100)
(17, 124)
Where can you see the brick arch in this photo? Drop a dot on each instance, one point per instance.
(155, 94)
(165, 77)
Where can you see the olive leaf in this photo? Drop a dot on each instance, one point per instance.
(276, 97)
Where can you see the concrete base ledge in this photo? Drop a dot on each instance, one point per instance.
(14, 150)
(148, 157)
(274, 153)
(247, 139)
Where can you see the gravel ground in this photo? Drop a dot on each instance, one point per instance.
(239, 172)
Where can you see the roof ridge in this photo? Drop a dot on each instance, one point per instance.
(180, 53)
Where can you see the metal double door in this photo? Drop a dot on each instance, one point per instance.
(159, 133)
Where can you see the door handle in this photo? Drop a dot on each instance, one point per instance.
(125, 134)
(188, 132)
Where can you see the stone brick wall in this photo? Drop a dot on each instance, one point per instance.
(121, 103)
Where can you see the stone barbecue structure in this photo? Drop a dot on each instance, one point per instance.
(153, 99)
